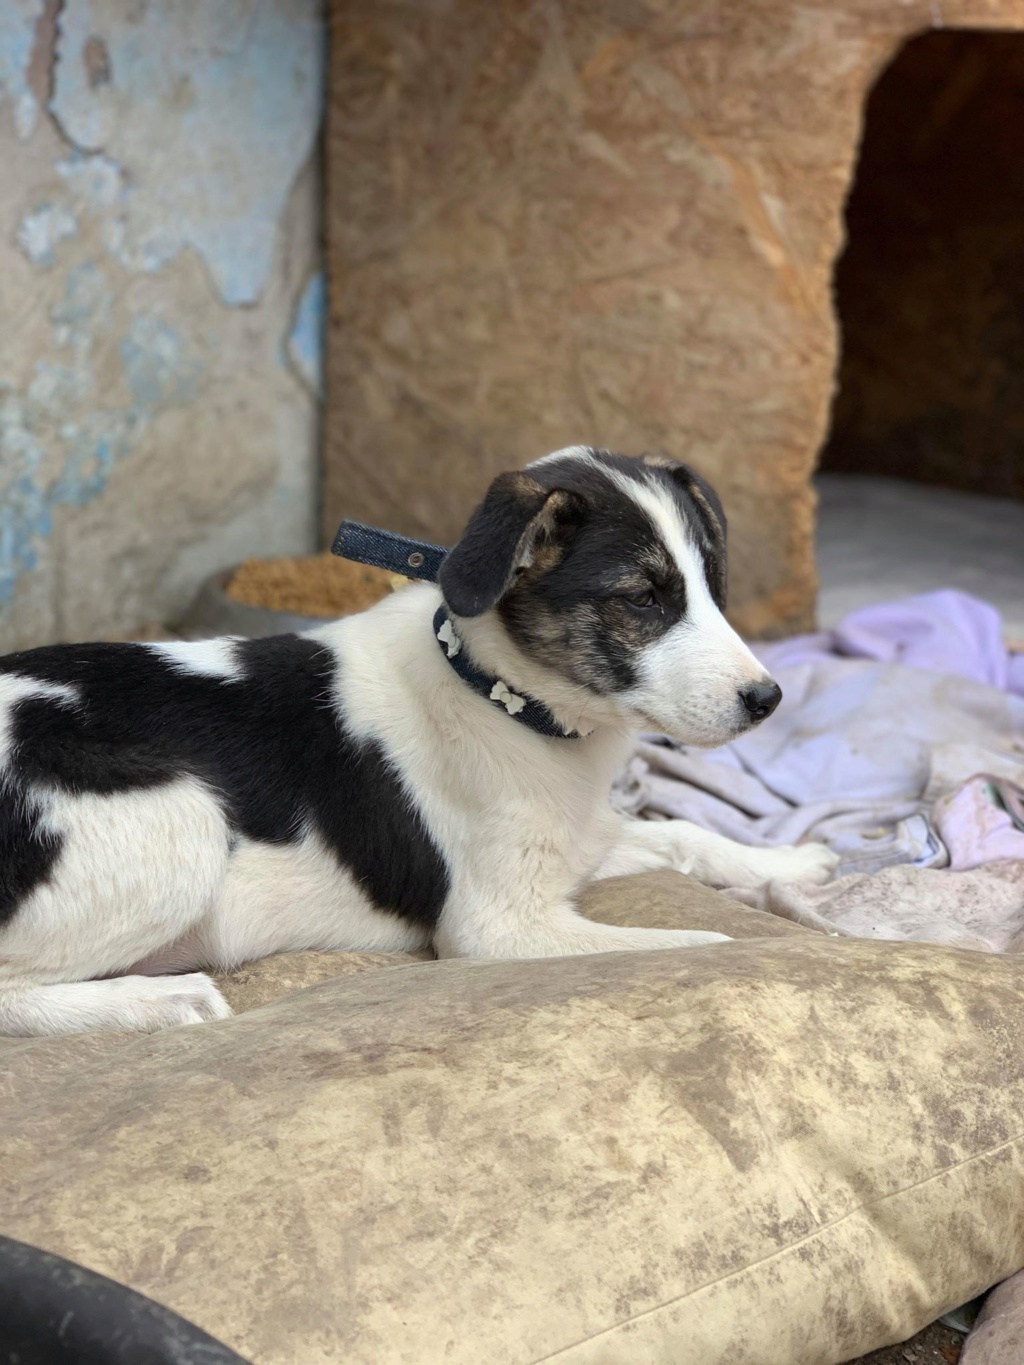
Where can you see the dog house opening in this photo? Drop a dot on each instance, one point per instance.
(922, 474)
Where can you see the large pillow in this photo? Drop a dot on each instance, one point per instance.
(779, 1151)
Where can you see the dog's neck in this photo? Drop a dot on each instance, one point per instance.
(484, 639)
(576, 708)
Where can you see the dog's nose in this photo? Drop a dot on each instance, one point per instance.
(761, 698)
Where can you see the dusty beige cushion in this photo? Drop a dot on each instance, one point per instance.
(271, 978)
(779, 1151)
(669, 900)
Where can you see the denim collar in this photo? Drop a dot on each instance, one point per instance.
(419, 559)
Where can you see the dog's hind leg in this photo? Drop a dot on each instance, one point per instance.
(134, 874)
(123, 1004)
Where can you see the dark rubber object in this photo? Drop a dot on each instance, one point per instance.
(53, 1312)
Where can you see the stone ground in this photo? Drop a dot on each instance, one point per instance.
(879, 539)
(936, 1345)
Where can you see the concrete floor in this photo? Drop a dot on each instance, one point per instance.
(884, 538)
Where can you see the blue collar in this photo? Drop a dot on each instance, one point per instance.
(419, 559)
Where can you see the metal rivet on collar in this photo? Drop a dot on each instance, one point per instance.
(415, 560)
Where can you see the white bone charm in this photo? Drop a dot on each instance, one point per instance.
(449, 639)
(511, 702)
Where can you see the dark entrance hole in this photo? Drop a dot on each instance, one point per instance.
(930, 286)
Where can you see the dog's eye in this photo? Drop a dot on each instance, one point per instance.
(642, 601)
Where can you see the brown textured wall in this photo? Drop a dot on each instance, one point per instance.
(607, 221)
(930, 287)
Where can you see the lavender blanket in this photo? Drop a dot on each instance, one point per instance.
(900, 743)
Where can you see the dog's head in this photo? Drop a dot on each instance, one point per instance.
(611, 572)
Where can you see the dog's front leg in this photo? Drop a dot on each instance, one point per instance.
(645, 844)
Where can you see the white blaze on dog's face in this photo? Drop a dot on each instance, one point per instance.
(697, 681)
(611, 572)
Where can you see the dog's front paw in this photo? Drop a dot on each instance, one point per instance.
(812, 864)
(147, 1003)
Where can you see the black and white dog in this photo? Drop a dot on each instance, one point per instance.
(399, 778)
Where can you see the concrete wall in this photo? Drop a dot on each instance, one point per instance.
(604, 221)
(160, 302)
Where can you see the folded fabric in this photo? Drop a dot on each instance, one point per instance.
(982, 909)
(946, 631)
(981, 822)
(900, 743)
(915, 841)
(855, 749)
(900, 705)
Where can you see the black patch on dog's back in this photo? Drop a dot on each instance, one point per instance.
(270, 745)
(28, 851)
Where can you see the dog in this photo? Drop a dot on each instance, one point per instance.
(432, 772)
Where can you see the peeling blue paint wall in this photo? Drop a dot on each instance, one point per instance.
(158, 276)
(306, 341)
(218, 173)
(61, 411)
(18, 20)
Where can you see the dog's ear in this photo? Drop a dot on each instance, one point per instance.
(712, 517)
(500, 539)
(710, 514)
